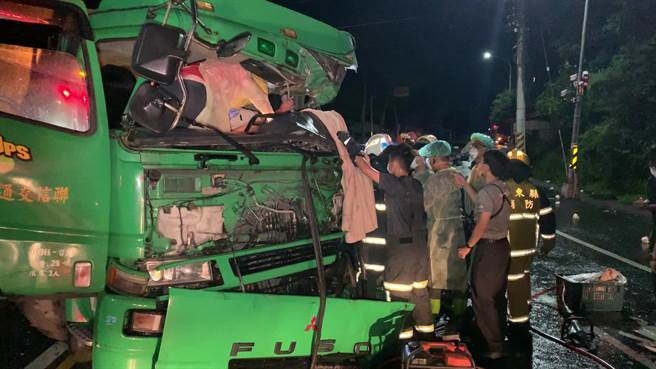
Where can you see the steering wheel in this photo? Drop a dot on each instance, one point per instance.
(254, 121)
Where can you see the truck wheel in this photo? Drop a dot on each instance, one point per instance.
(46, 315)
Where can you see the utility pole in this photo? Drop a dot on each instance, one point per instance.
(509, 75)
(520, 115)
(572, 176)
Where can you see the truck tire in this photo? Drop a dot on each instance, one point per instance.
(46, 315)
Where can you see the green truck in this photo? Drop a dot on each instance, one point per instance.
(164, 245)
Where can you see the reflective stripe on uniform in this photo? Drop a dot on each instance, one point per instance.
(406, 334)
(523, 216)
(428, 328)
(397, 287)
(420, 284)
(549, 236)
(375, 267)
(521, 319)
(516, 277)
(519, 253)
(546, 211)
(374, 241)
(381, 207)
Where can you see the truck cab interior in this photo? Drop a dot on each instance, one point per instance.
(287, 131)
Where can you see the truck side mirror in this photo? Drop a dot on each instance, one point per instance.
(159, 52)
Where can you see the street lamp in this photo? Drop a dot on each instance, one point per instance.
(487, 55)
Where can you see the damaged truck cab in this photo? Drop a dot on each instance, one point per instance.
(182, 247)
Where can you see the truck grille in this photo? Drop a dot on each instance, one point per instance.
(261, 262)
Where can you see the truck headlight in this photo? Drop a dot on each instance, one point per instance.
(149, 323)
(180, 274)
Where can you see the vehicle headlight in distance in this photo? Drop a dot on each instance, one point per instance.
(181, 274)
(148, 323)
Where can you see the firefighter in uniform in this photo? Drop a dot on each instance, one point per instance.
(406, 266)
(372, 253)
(531, 217)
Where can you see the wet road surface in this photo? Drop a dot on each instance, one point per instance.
(610, 229)
(619, 233)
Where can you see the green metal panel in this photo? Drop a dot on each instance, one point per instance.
(122, 19)
(127, 214)
(202, 326)
(258, 322)
(278, 174)
(112, 349)
(231, 279)
(258, 15)
(54, 208)
(80, 309)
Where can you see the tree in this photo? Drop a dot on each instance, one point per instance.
(503, 106)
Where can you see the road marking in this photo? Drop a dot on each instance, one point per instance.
(48, 356)
(636, 356)
(605, 252)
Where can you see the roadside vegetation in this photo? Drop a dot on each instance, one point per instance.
(619, 109)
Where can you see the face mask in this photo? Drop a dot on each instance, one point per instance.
(473, 153)
(428, 163)
(413, 165)
(653, 171)
(389, 169)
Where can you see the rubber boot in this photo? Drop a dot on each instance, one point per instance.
(436, 306)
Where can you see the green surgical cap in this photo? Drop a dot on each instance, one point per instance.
(437, 148)
(482, 138)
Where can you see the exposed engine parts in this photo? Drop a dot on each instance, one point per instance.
(271, 222)
(188, 227)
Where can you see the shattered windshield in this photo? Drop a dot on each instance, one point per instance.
(44, 77)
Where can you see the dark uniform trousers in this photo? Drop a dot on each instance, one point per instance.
(490, 264)
(531, 217)
(406, 279)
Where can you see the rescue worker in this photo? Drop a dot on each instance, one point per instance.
(531, 215)
(445, 230)
(371, 255)
(406, 266)
(479, 143)
(491, 255)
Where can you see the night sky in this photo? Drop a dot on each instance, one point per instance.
(432, 46)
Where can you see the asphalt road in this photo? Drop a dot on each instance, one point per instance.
(619, 233)
(609, 229)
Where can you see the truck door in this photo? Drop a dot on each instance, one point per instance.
(54, 153)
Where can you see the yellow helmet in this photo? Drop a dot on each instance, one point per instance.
(515, 154)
